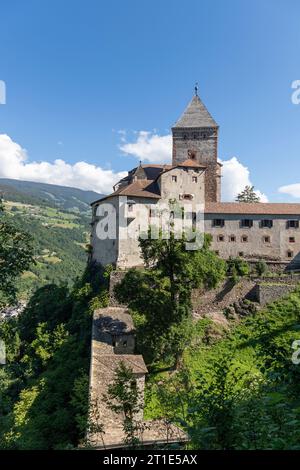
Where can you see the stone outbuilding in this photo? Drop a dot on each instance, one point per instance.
(113, 343)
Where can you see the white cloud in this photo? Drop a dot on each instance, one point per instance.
(291, 189)
(154, 148)
(235, 176)
(149, 147)
(14, 164)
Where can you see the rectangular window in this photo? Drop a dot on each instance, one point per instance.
(194, 179)
(266, 223)
(293, 224)
(232, 238)
(217, 252)
(221, 238)
(218, 223)
(194, 220)
(247, 223)
(174, 179)
(95, 210)
(241, 254)
(244, 239)
(267, 239)
(292, 239)
(290, 254)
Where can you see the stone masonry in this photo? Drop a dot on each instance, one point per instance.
(251, 231)
(113, 343)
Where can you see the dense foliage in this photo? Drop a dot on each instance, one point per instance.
(44, 386)
(237, 392)
(58, 241)
(241, 392)
(15, 256)
(160, 297)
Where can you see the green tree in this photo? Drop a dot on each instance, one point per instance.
(123, 397)
(160, 296)
(16, 255)
(237, 268)
(184, 269)
(248, 195)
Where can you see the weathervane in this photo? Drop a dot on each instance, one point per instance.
(196, 89)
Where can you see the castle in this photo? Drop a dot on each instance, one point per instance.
(252, 231)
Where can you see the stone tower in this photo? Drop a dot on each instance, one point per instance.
(195, 137)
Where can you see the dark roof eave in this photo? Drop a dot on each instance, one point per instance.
(215, 126)
(154, 196)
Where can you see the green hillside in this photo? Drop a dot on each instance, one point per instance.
(60, 240)
(237, 389)
(62, 197)
(58, 219)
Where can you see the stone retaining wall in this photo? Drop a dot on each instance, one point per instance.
(269, 292)
(115, 278)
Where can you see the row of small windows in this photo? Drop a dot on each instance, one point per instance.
(194, 179)
(244, 239)
(195, 136)
(264, 223)
(241, 254)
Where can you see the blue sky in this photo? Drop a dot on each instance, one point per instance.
(77, 72)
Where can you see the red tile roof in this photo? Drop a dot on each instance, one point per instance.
(190, 163)
(139, 188)
(252, 208)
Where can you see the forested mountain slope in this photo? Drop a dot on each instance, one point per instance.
(58, 219)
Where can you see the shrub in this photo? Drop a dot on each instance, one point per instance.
(237, 268)
(261, 267)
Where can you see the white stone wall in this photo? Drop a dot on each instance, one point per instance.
(124, 251)
(255, 247)
(184, 185)
(104, 251)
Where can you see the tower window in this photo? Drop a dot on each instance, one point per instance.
(244, 239)
(221, 238)
(174, 179)
(232, 238)
(192, 154)
(290, 254)
(292, 240)
(267, 239)
(194, 179)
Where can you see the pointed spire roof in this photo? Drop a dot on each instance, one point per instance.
(196, 115)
